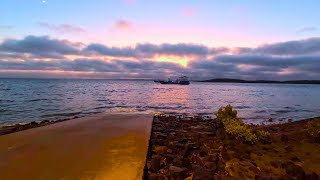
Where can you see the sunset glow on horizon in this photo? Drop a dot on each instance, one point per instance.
(144, 39)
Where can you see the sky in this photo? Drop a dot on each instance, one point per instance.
(150, 39)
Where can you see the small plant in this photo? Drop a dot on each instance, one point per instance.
(314, 128)
(234, 127)
(263, 134)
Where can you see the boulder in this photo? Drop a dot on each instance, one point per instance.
(203, 174)
(289, 148)
(153, 176)
(155, 164)
(211, 165)
(33, 123)
(248, 164)
(169, 158)
(276, 163)
(181, 162)
(160, 136)
(312, 176)
(160, 149)
(294, 170)
(284, 138)
(263, 177)
(178, 172)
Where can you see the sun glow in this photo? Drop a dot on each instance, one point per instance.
(182, 61)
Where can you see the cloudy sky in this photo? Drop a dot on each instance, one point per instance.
(245, 39)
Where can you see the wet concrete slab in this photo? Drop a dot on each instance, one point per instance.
(111, 146)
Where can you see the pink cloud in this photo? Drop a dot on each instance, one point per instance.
(129, 2)
(62, 28)
(122, 25)
(189, 11)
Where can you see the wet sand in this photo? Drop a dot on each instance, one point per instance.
(111, 146)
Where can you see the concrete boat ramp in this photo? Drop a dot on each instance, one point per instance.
(112, 146)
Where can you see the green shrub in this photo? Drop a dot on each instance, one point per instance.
(314, 128)
(234, 127)
(263, 135)
(225, 114)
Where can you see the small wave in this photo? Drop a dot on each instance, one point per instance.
(111, 91)
(6, 101)
(242, 107)
(282, 111)
(102, 107)
(260, 111)
(61, 114)
(288, 107)
(303, 110)
(102, 100)
(35, 100)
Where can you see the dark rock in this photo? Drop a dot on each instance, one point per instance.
(197, 160)
(274, 129)
(284, 138)
(192, 146)
(6, 131)
(203, 152)
(207, 134)
(160, 149)
(276, 164)
(160, 136)
(226, 155)
(203, 174)
(289, 148)
(294, 170)
(183, 140)
(169, 158)
(270, 120)
(153, 176)
(159, 142)
(250, 166)
(220, 177)
(155, 164)
(45, 122)
(285, 177)
(175, 145)
(315, 139)
(221, 133)
(178, 172)
(263, 177)
(220, 166)
(181, 162)
(294, 158)
(312, 176)
(33, 123)
(211, 157)
(211, 165)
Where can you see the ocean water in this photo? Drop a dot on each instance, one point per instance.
(26, 100)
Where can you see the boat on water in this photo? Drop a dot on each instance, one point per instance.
(183, 80)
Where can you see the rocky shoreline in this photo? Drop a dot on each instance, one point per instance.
(193, 147)
(21, 127)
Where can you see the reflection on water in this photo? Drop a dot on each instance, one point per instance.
(28, 100)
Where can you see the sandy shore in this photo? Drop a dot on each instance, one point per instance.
(111, 146)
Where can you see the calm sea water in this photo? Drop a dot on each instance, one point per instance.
(23, 100)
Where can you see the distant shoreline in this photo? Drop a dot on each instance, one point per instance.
(218, 80)
(263, 81)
